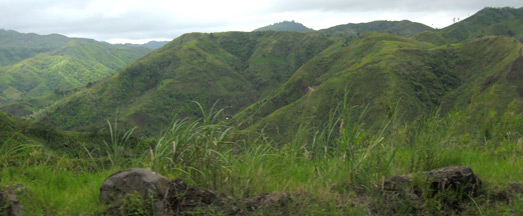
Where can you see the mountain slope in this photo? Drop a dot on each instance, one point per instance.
(479, 24)
(150, 44)
(15, 47)
(285, 26)
(404, 28)
(74, 64)
(383, 74)
(233, 69)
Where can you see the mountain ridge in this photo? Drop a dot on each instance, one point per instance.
(285, 26)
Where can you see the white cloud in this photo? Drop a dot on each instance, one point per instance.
(127, 20)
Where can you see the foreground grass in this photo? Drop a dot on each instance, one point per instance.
(334, 170)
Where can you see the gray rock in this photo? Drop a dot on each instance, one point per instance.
(134, 181)
(454, 178)
(446, 178)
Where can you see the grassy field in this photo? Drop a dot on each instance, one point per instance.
(331, 170)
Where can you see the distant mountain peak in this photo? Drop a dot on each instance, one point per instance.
(285, 26)
(151, 44)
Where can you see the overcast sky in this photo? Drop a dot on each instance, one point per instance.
(139, 21)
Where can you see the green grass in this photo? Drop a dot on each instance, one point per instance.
(325, 174)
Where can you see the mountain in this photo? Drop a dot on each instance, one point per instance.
(489, 21)
(73, 64)
(285, 26)
(403, 28)
(15, 46)
(275, 81)
(475, 25)
(150, 44)
(234, 69)
(381, 75)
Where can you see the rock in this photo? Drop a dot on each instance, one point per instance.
(446, 178)
(406, 191)
(455, 178)
(180, 198)
(136, 181)
(9, 203)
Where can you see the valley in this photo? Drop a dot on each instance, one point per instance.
(283, 120)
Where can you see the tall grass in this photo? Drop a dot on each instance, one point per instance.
(326, 164)
(116, 150)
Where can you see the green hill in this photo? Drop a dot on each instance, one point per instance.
(76, 63)
(404, 28)
(384, 74)
(234, 69)
(276, 81)
(18, 135)
(150, 44)
(15, 47)
(285, 26)
(487, 22)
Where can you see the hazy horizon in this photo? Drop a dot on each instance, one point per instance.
(134, 21)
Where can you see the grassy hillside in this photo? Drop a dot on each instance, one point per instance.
(74, 64)
(150, 44)
(487, 22)
(15, 47)
(285, 26)
(233, 69)
(381, 75)
(404, 28)
(22, 136)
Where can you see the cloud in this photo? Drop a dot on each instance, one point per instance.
(391, 5)
(117, 20)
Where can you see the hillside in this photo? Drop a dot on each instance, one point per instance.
(150, 44)
(403, 28)
(285, 26)
(233, 69)
(22, 136)
(277, 80)
(489, 21)
(74, 64)
(15, 46)
(382, 74)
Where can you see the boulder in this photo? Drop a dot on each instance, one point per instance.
(182, 198)
(136, 181)
(458, 178)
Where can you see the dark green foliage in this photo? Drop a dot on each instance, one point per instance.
(285, 26)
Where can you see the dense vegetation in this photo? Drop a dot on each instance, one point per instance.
(232, 68)
(323, 116)
(58, 64)
(15, 47)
